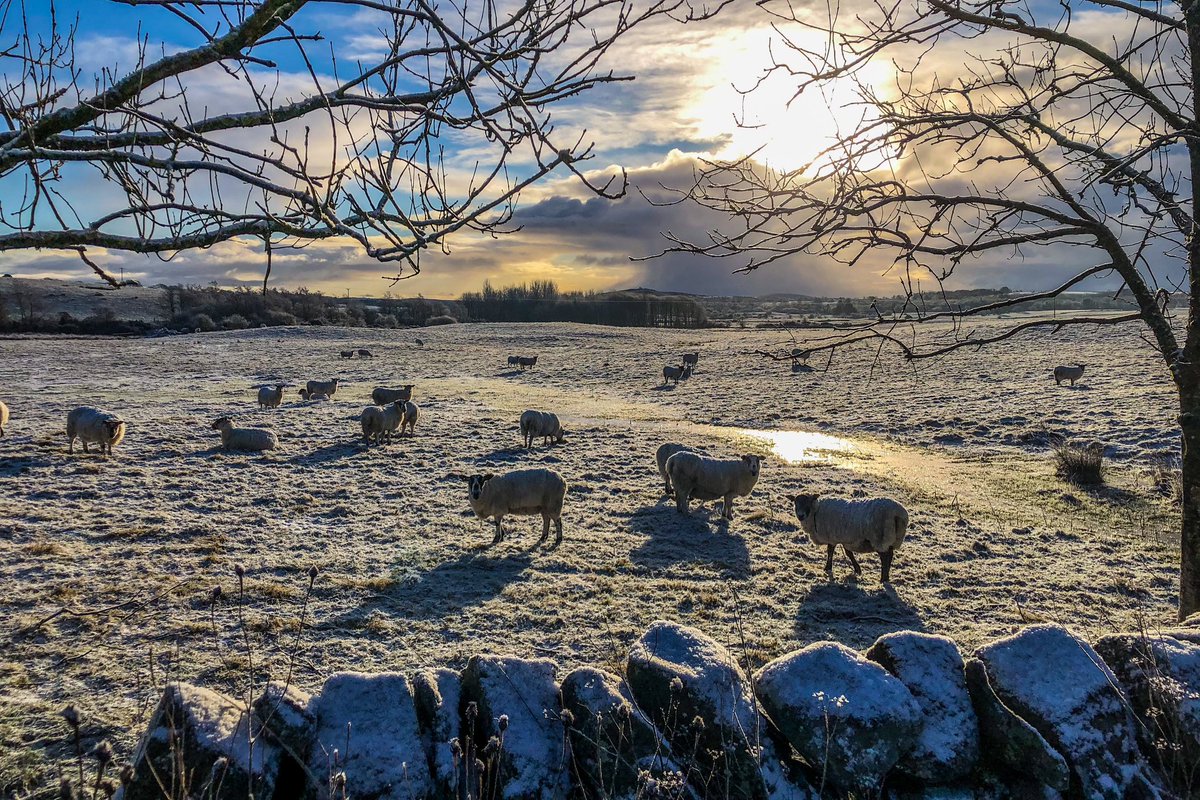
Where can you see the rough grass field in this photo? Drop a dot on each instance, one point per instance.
(132, 547)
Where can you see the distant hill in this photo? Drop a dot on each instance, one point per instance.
(22, 299)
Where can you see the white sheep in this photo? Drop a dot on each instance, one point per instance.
(514, 361)
(697, 477)
(381, 395)
(347, 354)
(3, 417)
(860, 526)
(408, 416)
(245, 438)
(312, 396)
(521, 492)
(691, 359)
(270, 396)
(1071, 374)
(681, 372)
(663, 453)
(365, 353)
(91, 425)
(540, 423)
(526, 362)
(380, 422)
(329, 387)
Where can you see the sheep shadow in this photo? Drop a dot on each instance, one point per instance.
(510, 373)
(852, 613)
(665, 387)
(504, 455)
(449, 588)
(11, 466)
(331, 452)
(699, 537)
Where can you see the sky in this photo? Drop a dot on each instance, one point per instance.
(687, 103)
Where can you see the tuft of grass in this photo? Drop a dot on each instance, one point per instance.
(45, 548)
(1166, 475)
(1080, 464)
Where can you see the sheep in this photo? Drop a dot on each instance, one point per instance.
(1071, 374)
(270, 397)
(525, 362)
(691, 359)
(408, 416)
(419, 342)
(380, 422)
(347, 354)
(365, 353)
(522, 492)
(3, 417)
(664, 452)
(683, 371)
(329, 387)
(859, 526)
(540, 423)
(702, 478)
(382, 395)
(245, 438)
(305, 394)
(514, 361)
(93, 425)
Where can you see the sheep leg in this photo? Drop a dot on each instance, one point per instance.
(853, 560)
(499, 537)
(681, 501)
(85, 447)
(829, 550)
(71, 445)
(545, 527)
(557, 531)
(727, 506)
(885, 561)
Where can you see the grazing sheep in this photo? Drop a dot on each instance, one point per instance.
(365, 353)
(347, 354)
(540, 423)
(1071, 374)
(682, 372)
(522, 492)
(382, 395)
(664, 452)
(526, 362)
(419, 342)
(305, 394)
(270, 397)
(697, 477)
(408, 416)
(3, 417)
(323, 387)
(514, 361)
(691, 359)
(859, 526)
(245, 438)
(380, 422)
(91, 425)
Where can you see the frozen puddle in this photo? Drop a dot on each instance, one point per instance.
(798, 446)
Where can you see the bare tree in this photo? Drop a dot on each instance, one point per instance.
(1007, 128)
(214, 142)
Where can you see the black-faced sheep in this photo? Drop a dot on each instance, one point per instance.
(270, 396)
(521, 492)
(408, 416)
(543, 424)
(860, 526)
(702, 478)
(93, 426)
(691, 359)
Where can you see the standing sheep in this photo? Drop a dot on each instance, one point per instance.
(381, 395)
(91, 425)
(270, 397)
(514, 361)
(329, 387)
(697, 477)
(681, 372)
(408, 416)
(521, 492)
(691, 359)
(540, 423)
(1071, 374)
(347, 354)
(379, 423)
(255, 439)
(859, 526)
(526, 362)
(663, 453)
(3, 417)
(365, 353)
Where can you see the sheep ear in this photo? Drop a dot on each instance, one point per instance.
(488, 477)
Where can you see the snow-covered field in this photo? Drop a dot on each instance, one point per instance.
(133, 546)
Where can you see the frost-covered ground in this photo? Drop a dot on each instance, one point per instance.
(408, 576)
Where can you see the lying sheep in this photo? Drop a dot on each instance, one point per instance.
(526, 362)
(91, 425)
(256, 439)
(408, 416)
(697, 477)
(663, 453)
(270, 397)
(682, 372)
(382, 395)
(3, 417)
(365, 353)
(305, 394)
(1071, 374)
(691, 359)
(859, 526)
(322, 387)
(347, 354)
(380, 422)
(514, 361)
(522, 492)
(540, 423)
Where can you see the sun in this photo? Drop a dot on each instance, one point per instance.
(784, 130)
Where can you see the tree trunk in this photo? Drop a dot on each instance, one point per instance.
(1189, 540)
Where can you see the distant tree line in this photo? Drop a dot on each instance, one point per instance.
(542, 301)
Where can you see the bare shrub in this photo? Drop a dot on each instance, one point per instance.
(1080, 464)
